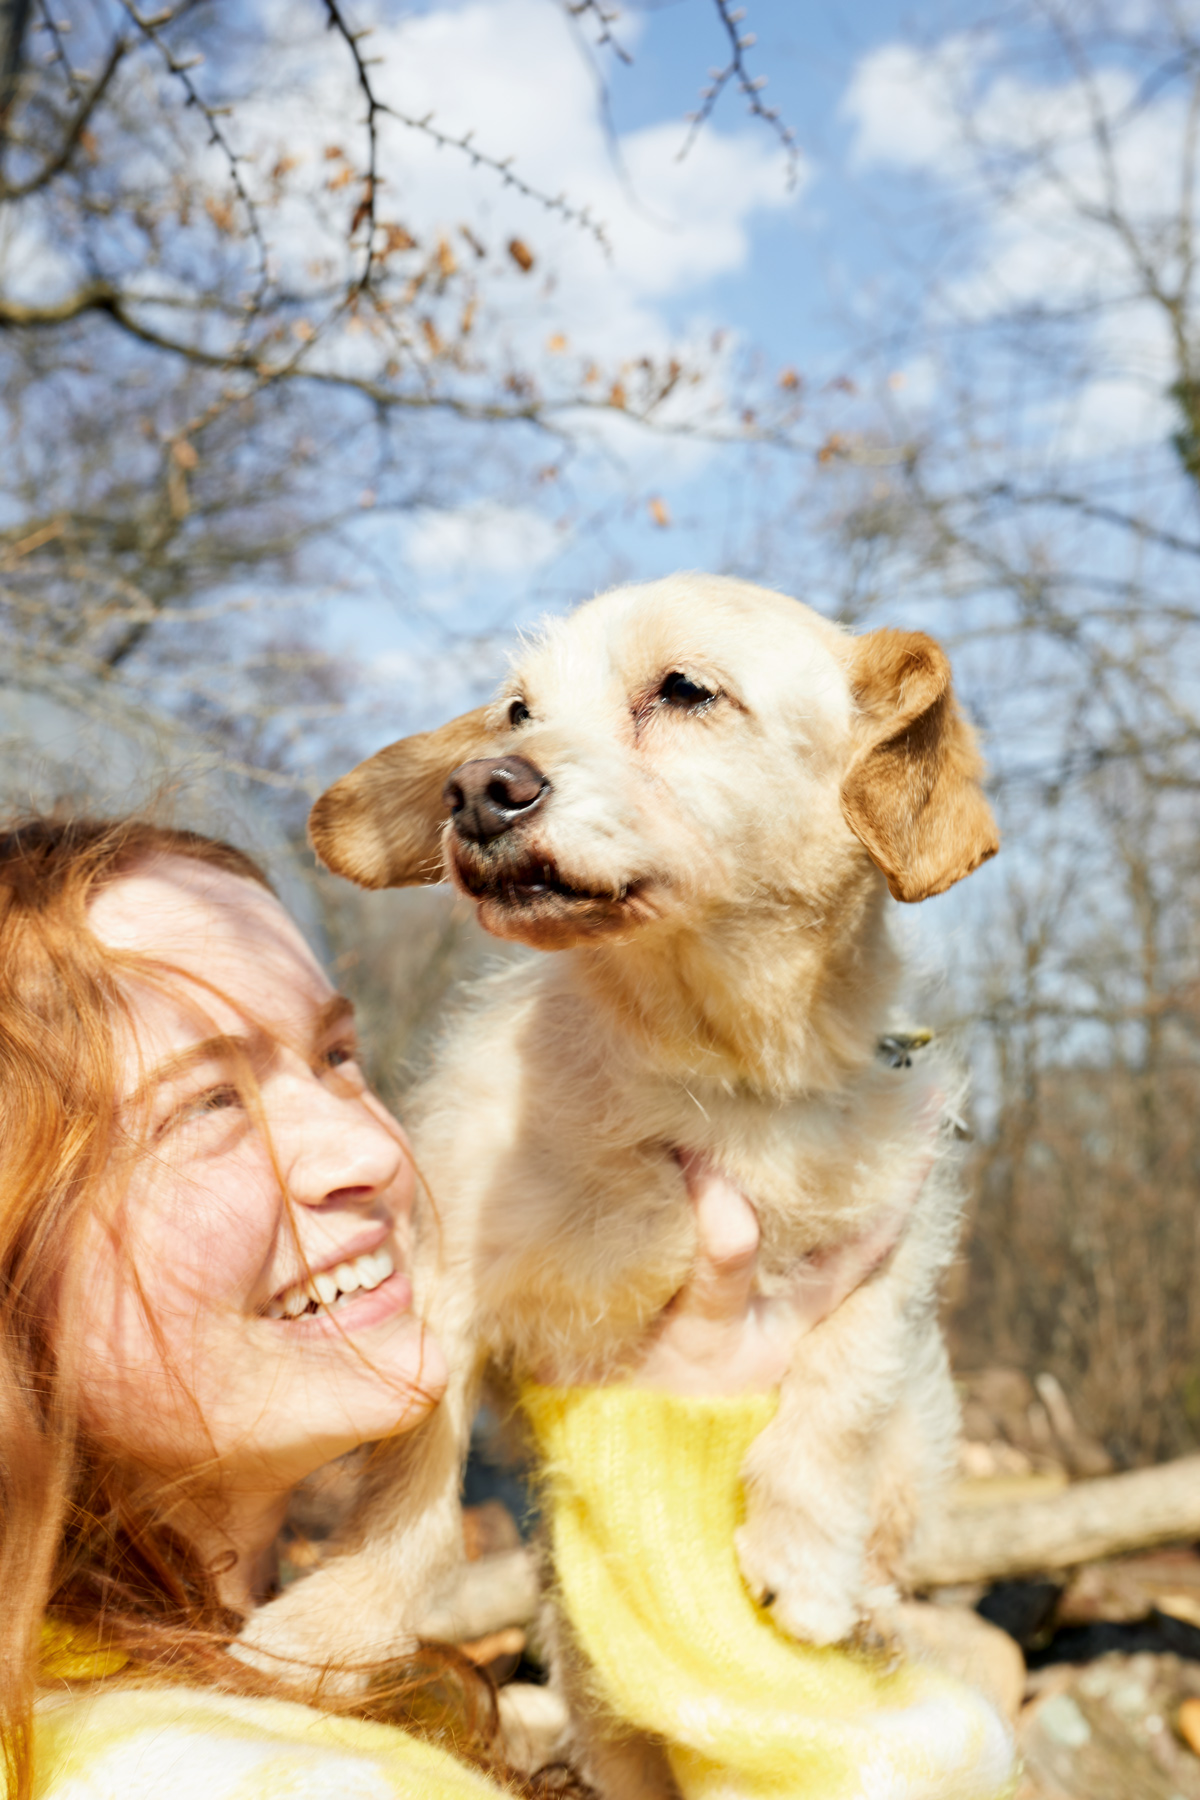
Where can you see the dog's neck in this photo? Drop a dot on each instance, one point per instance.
(774, 998)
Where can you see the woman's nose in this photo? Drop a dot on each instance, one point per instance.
(337, 1148)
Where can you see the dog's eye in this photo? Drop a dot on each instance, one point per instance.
(518, 712)
(678, 690)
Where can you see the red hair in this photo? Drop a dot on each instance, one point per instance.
(72, 1542)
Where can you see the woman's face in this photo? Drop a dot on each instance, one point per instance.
(201, 1349)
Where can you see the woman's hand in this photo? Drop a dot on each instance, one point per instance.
(718, 1336)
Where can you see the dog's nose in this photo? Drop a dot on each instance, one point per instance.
(488, 796)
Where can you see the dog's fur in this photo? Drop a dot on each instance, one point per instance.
(724, 976)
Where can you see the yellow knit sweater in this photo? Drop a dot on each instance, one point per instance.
(114, 1742)
(644, 1497)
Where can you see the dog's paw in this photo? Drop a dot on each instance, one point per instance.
(817, 1620)
(801, 1598)
(877, 1638)
(314, 1632)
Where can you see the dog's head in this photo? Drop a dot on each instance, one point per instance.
(688, 746)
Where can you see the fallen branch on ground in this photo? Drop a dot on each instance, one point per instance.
(1083, 1523)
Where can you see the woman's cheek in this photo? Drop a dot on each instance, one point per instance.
(213, 1239)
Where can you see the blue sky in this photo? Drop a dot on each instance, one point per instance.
(809, 52)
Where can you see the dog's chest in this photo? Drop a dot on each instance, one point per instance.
(818, 1168)
(562, 1169)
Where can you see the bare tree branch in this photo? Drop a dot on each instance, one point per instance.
(78, 124)
(337, 22)
(479, 159)
(750, 86)
(605, 18)
(14, 23)
(152, 30)
(1092, 509)
(549, 415)
(50, 24)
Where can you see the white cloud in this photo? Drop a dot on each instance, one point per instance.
(1022, 158)
(485, 537)
(33, 267)
(904, 103)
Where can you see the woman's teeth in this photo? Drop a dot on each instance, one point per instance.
(332, 1286)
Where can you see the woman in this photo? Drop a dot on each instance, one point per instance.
(204, 1220)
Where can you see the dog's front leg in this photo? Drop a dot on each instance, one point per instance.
(616, 1760)
(367, 1601)
(809, 1477)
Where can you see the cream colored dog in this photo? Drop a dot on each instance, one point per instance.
(698, 794)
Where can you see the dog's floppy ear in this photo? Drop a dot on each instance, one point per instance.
(912, 793)
(381, 825)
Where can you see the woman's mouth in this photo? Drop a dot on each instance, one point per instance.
(331, 1289)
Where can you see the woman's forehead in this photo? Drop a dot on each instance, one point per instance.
(224, 930)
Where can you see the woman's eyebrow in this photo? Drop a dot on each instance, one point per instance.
(227, 1047)
(335, 1009)
(223, 1047)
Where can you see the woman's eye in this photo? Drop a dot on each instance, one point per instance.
(338, 1055)
(214, 1099)
(518, 712)
(679, 690)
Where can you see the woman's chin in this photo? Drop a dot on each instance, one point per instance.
(368, 1363)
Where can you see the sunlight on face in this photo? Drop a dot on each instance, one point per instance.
(201, 1348)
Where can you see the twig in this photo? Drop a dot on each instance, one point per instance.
(479, 159)
(14, 22)
(605, 18)
(51, 25)
(750, 86)
(150, 29)
(502, 166)
(338, 22)
(1104, 515)
(576, 11)
(55, 164)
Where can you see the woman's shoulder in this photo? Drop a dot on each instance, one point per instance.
(172, 1743)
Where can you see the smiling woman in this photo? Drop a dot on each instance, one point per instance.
(265, 1181)
(203, 1235)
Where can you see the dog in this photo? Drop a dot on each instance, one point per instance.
(698, 794)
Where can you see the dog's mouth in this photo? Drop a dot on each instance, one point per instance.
(528, 883)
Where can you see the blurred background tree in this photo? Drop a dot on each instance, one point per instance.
(225, 340)
(1025, 480)
(240, 345)
(279, 347)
